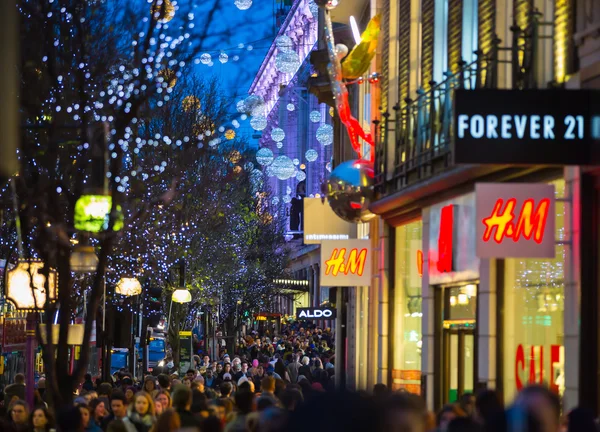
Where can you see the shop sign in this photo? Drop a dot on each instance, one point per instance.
(321, 223)
(185, 349)
(515, 220)
(315, 313)
(451, 245)
(530, 369)
(346, 263)
(534, 127)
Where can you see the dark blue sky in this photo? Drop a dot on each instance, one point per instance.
(252, 27)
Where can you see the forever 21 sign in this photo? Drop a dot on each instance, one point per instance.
(536, 127)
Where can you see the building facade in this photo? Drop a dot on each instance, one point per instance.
(452, 326)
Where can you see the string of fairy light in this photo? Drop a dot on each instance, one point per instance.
(151, 72)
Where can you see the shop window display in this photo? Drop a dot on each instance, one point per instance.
(408, 311)
(534, 316)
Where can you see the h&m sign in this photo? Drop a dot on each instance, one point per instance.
(515, 220)
(533, 127)
(346, 263)
(315, 313)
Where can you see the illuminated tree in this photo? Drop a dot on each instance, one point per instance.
(88, 67)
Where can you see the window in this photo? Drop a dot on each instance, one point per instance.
(469, 31)
(408, 311)
(440, 38)
(534, 317)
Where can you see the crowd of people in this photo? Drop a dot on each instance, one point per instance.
(281, 384)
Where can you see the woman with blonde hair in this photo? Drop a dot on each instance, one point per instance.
(141, 412)
(162, 398)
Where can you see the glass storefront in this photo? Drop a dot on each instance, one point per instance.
(533, 349)
(407, 306)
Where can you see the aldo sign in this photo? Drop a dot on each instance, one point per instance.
(315, 313)
(346, 263)
(530, 127)
(515, 220)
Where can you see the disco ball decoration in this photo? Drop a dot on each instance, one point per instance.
(258, 123)
(325, 134)
(254, 105)
(296, 161)
(291, 107)
(223, 58)
(283, 168)
(311, 155)
(287, 199)
(284, 43)
(287, 62)
(277, 134)
(275, 200)
(315, 116)
(240, 106)
(230, 134)
(279, 145)
(264, 156)
(249, 166)
(190, 103)
(205, 58)
(350, 191)
(300, 176)
(163, 11)
(243, 4)
(269, 171)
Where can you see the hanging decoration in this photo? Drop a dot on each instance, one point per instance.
(169, 77)
(291, 107)
(163, 11)
(325, 134)
(264, 156)
(223, 58)
(315, 116)
(230, 134)
(277, 134)
(359, 59)
(190, 103)
(350, 191)
(205, 58)
(287, 61)
(300, 176)
(243, 4)
(283, 168)
(258, 122)
(311, 155)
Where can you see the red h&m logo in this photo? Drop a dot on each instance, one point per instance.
(446, 240)
(530, 221)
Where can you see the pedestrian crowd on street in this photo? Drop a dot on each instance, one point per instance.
(283, 383)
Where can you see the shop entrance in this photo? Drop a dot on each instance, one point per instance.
(457, 341)
(459, 349)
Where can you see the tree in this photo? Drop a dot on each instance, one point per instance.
(83, 63)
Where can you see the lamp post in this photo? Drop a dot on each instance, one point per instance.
(27, 290)
(129, 286)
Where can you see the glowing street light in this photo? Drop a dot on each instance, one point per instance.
(128, 286)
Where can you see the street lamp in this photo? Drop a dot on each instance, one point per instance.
(182, 295)
(128, 287)
(26, 289)
(83, 259)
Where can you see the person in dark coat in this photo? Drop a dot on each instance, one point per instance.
(182, 402)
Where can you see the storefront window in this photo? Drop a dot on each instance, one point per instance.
(533, 317)
(407, 297)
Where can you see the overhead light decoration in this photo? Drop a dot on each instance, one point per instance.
(287, 62)
(163, 11)
(26, 285)
(277, 134)
(205, 58)
(243, 4)
(311, 155)
(284, 43)
(300, 176)
(128, 286)
(223, 58)
(169, 77)
(182, 295)
(190, 103)
(264, 156)
(315, 116)
(258, 122)
(291, 107)
(325, 134)
(283, 168)
(92, 213)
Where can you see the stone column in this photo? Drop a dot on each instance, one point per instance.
(427, 323)
(486, 324)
